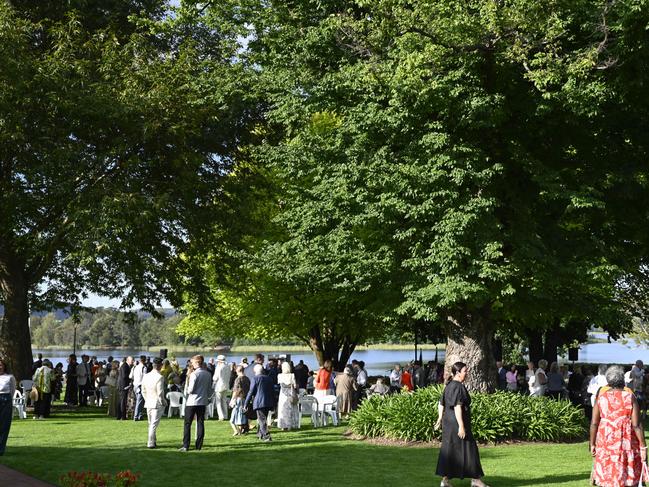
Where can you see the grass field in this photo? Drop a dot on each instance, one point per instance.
(88, 440)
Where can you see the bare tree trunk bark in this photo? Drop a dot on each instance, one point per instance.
(552, 343)
(470, 336)
(333, 348)
(346, 353)
(15, 339)
(535, 339)
(315, 342)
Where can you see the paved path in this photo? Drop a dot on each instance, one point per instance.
(16, 479)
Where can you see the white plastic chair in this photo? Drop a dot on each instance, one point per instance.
(308, 406)
(19, 405)
(182, 406)
(26, 385)
(328, 406)
(176, 401)
(211, 404)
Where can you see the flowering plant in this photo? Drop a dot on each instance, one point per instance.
(94, 479)
(126, 478)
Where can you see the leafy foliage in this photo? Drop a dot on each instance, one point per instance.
(117, 123)
(462, 163)
(500, 416)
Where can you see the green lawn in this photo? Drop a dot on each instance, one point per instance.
(87, 439)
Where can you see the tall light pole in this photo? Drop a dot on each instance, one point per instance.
(74, 336)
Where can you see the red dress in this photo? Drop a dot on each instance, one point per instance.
(617, 450)
(406, 380)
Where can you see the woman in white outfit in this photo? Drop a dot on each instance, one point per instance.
(221, 385)
(287, 407)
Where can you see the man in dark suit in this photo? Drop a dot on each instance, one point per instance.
(301, 374)
(264, 400)
(123, 386)
(502, 376)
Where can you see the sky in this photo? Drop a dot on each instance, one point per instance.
(96, 301)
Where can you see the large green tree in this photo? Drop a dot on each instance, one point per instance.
(486, 157)
(117, 121)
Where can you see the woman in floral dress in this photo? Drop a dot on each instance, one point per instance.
(616, 436)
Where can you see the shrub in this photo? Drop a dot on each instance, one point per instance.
(500, 416)
(94, 479)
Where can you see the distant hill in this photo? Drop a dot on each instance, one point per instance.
(63, 313)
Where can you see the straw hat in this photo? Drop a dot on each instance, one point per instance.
(33, 394)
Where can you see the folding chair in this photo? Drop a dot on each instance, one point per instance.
(176, 401)
(19, 405)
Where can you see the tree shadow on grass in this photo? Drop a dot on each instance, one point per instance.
(314, 463)
(535, 481)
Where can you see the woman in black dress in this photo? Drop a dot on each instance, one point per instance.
(458, 457)
(71, 389)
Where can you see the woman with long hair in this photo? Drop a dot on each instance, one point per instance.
(287, 406)
(240, 388)
(458, 456)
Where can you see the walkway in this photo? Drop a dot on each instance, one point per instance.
(16, 479)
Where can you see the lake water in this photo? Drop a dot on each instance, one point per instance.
(377, 362)
(380, 362)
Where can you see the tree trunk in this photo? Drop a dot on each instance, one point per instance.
(470, 336)
(15, 339)
(346, 352)
(338, 350)
(552, 342)
(535, 346)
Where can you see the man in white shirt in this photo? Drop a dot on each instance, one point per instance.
(596, 382)
(637, 377)
(361, 375)
(538, 381)
(395, 378)
(152, 387)
(137, 375)
(221, 384)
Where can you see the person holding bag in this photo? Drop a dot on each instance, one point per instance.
(43, 379)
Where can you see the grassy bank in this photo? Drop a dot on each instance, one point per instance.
(88, 440)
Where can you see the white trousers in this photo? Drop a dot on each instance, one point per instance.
(221, 400)
(153, 415)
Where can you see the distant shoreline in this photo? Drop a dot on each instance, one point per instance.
(248, 348)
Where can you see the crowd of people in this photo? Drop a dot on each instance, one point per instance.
(579, 384)
(613, 397)
(260, 390)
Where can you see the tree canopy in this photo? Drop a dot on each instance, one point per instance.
(478, 164)
(116, 125)
(472, 166)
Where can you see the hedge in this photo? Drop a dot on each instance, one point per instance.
(500, 416)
